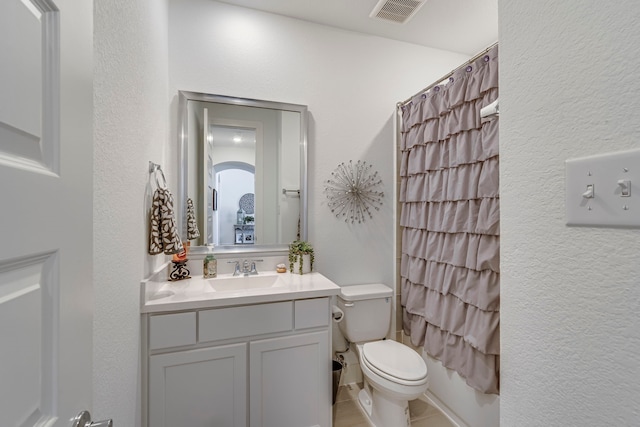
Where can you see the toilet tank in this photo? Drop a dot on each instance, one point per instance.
(367, 312)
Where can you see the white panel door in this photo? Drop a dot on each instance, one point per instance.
(45, 211)
(289, 383)
(199, 388)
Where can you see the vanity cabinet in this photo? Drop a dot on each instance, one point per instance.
(204, 387)
(260, 365)
(289, 385)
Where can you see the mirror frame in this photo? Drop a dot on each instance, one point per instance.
(183, 136)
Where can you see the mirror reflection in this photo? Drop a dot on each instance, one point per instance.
(243, 164)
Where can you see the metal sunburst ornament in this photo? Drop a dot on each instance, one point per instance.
(352, 191)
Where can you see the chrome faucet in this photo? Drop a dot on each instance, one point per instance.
(248, 267)
(245, 267)
(253, 270)
(236, 269)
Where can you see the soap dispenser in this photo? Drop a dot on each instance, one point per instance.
(210, 265)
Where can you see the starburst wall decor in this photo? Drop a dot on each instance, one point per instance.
(353, 193)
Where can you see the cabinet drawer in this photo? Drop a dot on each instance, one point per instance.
(236, 322)
(172, 330)
(311, 313)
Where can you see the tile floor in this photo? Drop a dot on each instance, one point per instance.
(347, 412)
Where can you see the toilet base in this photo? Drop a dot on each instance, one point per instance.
(383, 411)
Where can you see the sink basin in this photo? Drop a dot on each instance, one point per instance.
(244, 282)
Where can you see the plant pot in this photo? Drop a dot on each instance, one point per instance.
(306, 264)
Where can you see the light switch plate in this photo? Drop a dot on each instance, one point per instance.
(596, 188)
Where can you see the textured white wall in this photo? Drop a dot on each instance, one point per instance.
(350, 82)
(130, 128)
(570, 296)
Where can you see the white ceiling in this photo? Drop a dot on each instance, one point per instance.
(463, 26)
(223, 136)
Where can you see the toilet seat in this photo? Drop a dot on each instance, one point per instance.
(395, 362)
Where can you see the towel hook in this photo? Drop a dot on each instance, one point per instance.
(154, 168)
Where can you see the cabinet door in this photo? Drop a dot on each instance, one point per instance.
(290, 381)
(199, 388)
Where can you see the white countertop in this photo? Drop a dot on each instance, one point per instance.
(197, 292)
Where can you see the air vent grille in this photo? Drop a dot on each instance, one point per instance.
(398, 11)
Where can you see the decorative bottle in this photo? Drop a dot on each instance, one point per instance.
(210, 265)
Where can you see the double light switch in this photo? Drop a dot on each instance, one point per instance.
(599, 190)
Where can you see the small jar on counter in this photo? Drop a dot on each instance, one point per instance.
(210, 265)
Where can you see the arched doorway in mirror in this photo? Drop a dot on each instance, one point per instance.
(232, 181)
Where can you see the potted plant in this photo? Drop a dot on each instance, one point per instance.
(300, 257)
(248, 219)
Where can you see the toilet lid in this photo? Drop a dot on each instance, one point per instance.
(395, 359)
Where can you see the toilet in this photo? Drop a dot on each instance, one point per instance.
(393, 373)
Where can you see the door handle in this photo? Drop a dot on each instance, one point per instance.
(83, 419)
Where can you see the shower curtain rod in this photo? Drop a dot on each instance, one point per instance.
(446, 76)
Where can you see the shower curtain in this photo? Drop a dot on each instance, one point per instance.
(449, 200)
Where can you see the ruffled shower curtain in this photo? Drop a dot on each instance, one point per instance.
(449, 198)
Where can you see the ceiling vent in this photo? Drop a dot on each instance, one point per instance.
(398, 11)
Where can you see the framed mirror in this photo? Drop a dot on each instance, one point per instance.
(243, 163)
